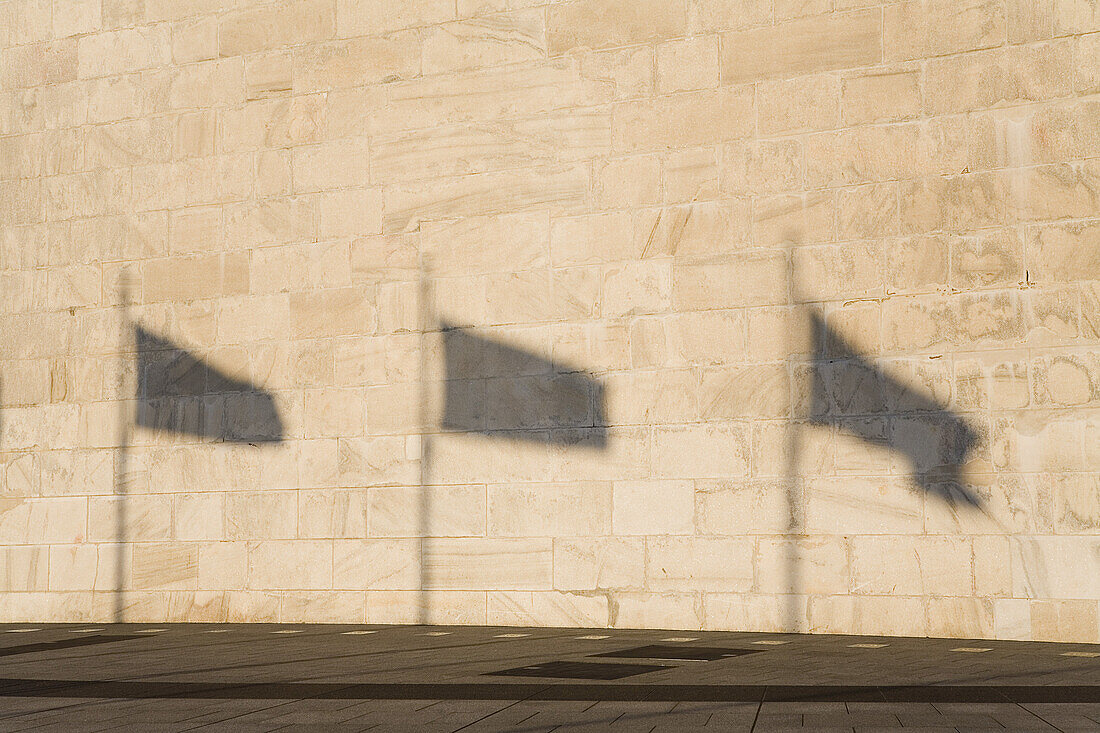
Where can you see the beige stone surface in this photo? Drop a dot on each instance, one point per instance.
(633, 209)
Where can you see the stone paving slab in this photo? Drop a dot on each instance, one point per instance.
(355, 678)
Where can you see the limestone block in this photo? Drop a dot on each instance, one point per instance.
(703, 117)
(801, 104)
(431, 607)
(332, 513)
(740, 280)
(257, 29)
(363, 17)
(1065, 380)
(628, 182)
(1087, 53)
(197, 516)
(630, 70)
(992, 568)
(605, 23)
(722, 15)
(334, 312)
(1064, 621)
(872, 615)
(885, 152)
(497, 563)
(122, 51)
(165, 566)
(589, 564)
(316, 167)
(558, 137)
(25, 568)
(350, 63)
(635, 507)
(194, 39)
(253, 605)
(502, 38)
(518, 608)
(597, 454)
(885, 507)
(1012, 619)
(881, 96)
(35, 64)
(997, 77)
(290, 564)
(842, 40)
(636, 610)
(966, 618)
(700, 563)
(1063, 252)
(213, 83)
(342, 607)
(282, 122)
(431, 511)
(762, 166)
(637, 288)
(750, 612)
(526, 510)
(256, 515)
(129, 519)
(738, 507)
(222, 564)
(561, 189)
(691, 174)
(1075, 16)
(376, 564)
(790, 219)
(919, 28)
(687, 64)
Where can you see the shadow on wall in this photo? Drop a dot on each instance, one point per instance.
(179, 393)
(853, 394)
(499, 390)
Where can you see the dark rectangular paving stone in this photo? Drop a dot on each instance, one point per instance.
(580, 670)
(681, 653)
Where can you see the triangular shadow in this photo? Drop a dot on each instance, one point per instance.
(180, 393)
(853, 394)
(502, 391)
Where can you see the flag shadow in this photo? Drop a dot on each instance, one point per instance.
(853, 394)
(179, 393)
(498, 390)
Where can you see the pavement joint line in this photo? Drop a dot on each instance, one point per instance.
(971, 649)
(1081, 654)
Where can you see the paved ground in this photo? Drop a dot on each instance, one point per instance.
(343, 678)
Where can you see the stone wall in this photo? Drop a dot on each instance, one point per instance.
(723, 314)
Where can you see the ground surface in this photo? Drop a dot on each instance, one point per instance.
(343, 678)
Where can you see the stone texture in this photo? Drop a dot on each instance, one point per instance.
(734, 281)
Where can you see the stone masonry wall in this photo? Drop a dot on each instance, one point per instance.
(722, 314)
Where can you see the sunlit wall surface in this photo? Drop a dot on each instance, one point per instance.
(724, 314)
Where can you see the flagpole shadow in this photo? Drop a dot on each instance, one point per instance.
(499, 391)
(851, 394)
(177, 392)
